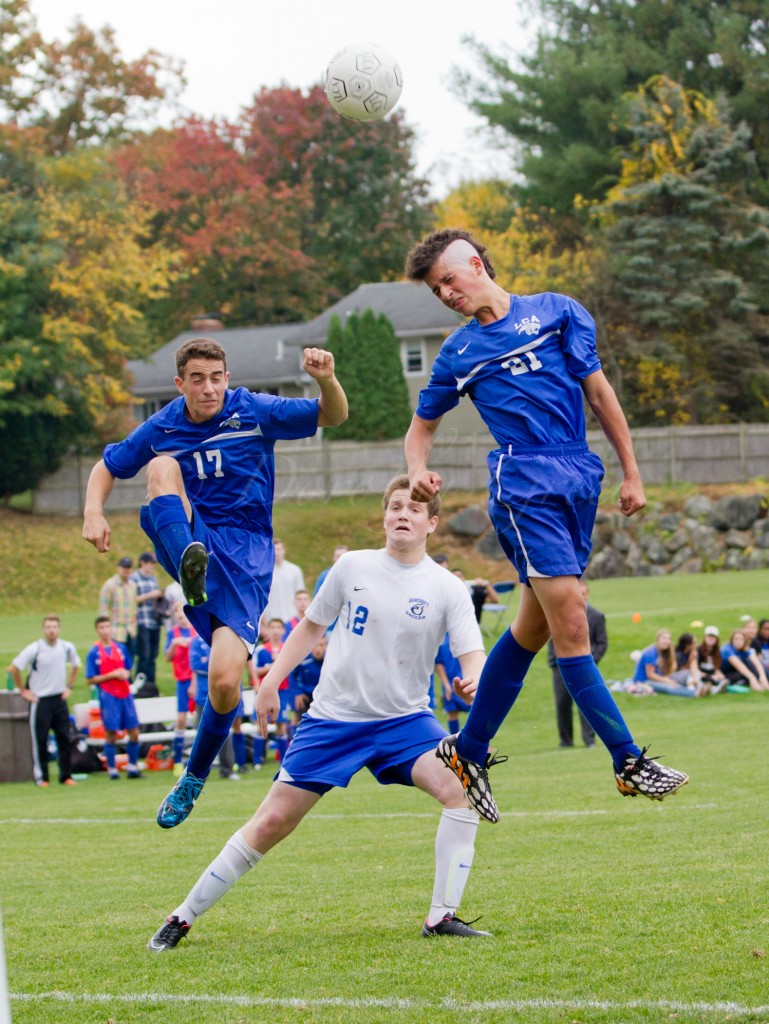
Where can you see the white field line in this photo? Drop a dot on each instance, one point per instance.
(391, 1003)
(338, 817)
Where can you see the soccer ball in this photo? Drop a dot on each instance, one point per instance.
(363, 82)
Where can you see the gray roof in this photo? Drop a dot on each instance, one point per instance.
(252, 359)
(412, 309)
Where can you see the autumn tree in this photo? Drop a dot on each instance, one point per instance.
(364, 203)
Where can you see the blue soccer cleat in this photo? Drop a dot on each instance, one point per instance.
(180, 801)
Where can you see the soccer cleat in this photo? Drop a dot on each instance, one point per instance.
(68, 782)
(43, 783)
(192, 574)
(168, 935)
(474, 777)
(452, 925)
(649, 778)
(180, 801)
(178, 769)
(135, 774)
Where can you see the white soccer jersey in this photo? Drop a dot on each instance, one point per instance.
(49, 665)
(392, 619)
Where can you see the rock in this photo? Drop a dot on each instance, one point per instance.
(621, 541)
(680, 558)
(698, 505)
(670, 521)
(470, 522)
(655, 550)
(733, 559)
(606, 564)
(738, 539)
(678, 540)
(761, 533)
(702, 537)
(691, 565)
(737, 511)
(489, 547)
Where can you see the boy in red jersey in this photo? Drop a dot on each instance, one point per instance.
(108, 666)
(178, 653)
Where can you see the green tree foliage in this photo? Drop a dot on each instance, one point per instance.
(560, 100)
(367, 358)
(687, 254)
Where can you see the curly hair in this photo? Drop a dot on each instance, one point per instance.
(422, 256)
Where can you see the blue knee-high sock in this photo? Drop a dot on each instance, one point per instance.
(132, 749)
(109, 754)
(259, 746)
(171, 523)
(178, 746)
(282, 743)
(500, 683)
(212, 732)
(592, 696)
(239, 748)
(453, 725)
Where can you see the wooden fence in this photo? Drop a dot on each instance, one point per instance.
(321, 469)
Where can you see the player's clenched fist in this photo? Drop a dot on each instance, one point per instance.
(318, 362)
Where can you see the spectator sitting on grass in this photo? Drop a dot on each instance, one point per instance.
(709, 662)
(657, 667)
(741, 664)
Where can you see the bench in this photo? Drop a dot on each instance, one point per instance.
(153, 710)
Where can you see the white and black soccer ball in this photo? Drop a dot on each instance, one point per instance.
(363, 82)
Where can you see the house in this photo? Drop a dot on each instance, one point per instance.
(269, 358)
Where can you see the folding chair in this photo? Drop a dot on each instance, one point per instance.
(492, 613)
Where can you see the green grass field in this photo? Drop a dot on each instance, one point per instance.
(603, 909)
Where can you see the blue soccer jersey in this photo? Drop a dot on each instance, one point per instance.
(522, 372)
(227, 463)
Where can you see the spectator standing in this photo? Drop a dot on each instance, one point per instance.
(177, 652)
(148, 593)
(302, 602)
(117, 600)
(53, 664)
(564, 705)
(108, 666)
(339, 550)
(265, 655)
(305, 678)
(287, 578)
(172, 595)
(481, 591)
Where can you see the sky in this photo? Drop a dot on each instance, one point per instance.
(231, 48)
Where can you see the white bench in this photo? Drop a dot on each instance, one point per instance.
(153, 710)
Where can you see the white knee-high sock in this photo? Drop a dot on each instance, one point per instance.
(454, 850)
(236, 858)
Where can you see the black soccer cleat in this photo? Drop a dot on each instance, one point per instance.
(192, 574)
(170, 934)
(474, 777)
(452, 925)
(649, 778)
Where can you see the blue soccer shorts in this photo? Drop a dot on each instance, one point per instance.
(238, 580)
(329, 753)
(117, 712)
(542, 502)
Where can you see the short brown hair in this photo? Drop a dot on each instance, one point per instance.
(401, 483)
(199, 348)
(425, 253)
(51, 618)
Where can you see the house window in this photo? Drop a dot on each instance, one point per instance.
(413, 357)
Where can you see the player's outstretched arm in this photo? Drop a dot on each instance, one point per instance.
(605, 404)
(332, 404)
(417, 446)
(96, 529)
(298, 645)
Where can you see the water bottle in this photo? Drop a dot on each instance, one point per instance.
(9, 683)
